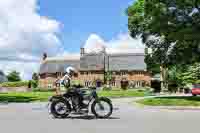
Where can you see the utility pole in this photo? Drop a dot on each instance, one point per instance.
(108, 63)
(163, 78)
(104, 69)
(104, 65)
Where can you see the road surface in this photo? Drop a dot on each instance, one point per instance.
(127, 118)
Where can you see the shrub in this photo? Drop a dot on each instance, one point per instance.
(14, 76)
(197, 82)
(14, 84)
(43, 90)
(106, 88)
(34, 83)
(124, 84)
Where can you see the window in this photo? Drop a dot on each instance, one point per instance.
(49, 86)
(87, 83)
(140, 73)
(82, 73)
(113, 83)
(59, 74)
(123, 73)
(117, 73)
(132, 84)
(86, 73)
(138, 84)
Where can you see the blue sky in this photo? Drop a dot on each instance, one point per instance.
(80, 18)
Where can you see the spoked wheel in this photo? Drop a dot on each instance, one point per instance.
(60, 109)
(102, 108)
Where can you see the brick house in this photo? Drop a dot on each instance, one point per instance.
(92, 68)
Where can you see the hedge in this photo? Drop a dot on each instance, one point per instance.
(14, 84)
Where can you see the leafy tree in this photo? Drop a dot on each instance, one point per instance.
(35, 76)
(177, 22)
(108, 76)
(191, 75)
(14, 76)
(171, 28)
(175, 75)
(139, 26)
(34, 82)
(152, 66)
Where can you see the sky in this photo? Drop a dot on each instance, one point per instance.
(81, 18)
(28, 28)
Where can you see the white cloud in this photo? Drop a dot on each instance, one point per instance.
(123, 43)
(94, 43)
(25, 36)
(65, 56)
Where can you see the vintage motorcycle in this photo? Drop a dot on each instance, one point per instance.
(63, 105)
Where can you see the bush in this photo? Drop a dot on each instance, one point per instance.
(14, 84)
(197, 82)
(34, 83)
(124, 84)
(173, 87)
(43, 90)
(107, 88)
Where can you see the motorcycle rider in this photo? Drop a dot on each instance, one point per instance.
(66, 81)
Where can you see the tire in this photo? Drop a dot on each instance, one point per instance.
(95, 112)
(194, 95)
(56, 114)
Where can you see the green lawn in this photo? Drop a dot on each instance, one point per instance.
(25, 97)
(122, 93)
(171, 101)
(43, 96)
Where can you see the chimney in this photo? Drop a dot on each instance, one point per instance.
(82, 51)
(44, 56)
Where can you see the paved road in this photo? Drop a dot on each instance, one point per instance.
(33, 118)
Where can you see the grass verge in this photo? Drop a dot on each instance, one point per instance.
(123, 93)
(171, 101)
(43, 96)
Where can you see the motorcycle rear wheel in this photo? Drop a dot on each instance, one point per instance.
(60, 108)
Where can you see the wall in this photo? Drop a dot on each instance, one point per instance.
(136, 78)
(88, 78)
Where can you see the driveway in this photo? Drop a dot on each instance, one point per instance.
(127, 118)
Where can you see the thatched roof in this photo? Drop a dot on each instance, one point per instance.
(126, 61)
(92, 61)
(95, 62)
(58, 66)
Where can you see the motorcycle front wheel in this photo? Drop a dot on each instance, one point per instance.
(60, 108)
(102, 108)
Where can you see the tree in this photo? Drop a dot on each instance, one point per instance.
(35, 77)
(138, 26)
(170, 28)
(152, 66)
(34, 82)
(177, 22)
(14, 76)
(191, 75)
